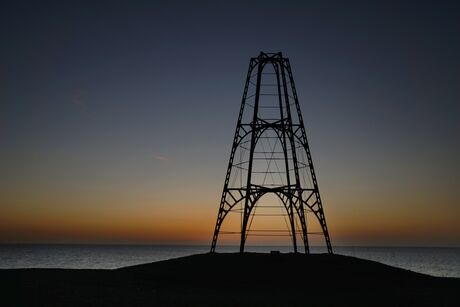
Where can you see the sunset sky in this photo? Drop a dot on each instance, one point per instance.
(116, 118)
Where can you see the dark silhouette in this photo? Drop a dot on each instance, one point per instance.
(270, 112)
(223, 280)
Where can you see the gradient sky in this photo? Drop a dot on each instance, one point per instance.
(116, 118)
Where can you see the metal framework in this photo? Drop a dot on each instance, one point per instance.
(270, 155)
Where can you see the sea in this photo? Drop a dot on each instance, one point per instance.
(435, 261)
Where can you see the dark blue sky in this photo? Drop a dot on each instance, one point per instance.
(104, 100)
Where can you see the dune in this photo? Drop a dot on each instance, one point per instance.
(250, 279)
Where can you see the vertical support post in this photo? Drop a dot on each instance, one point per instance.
(286, 122)
(248, 205)
(298, 188)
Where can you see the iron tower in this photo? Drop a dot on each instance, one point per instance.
(270, 156)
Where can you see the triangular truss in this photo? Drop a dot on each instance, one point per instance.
(270, 155)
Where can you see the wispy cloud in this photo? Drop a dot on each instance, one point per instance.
(162, 158)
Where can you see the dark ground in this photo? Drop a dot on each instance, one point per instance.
(232, 280)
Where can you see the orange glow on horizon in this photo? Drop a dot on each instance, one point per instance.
(141, 226)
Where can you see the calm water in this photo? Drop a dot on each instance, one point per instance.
(428, 260)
